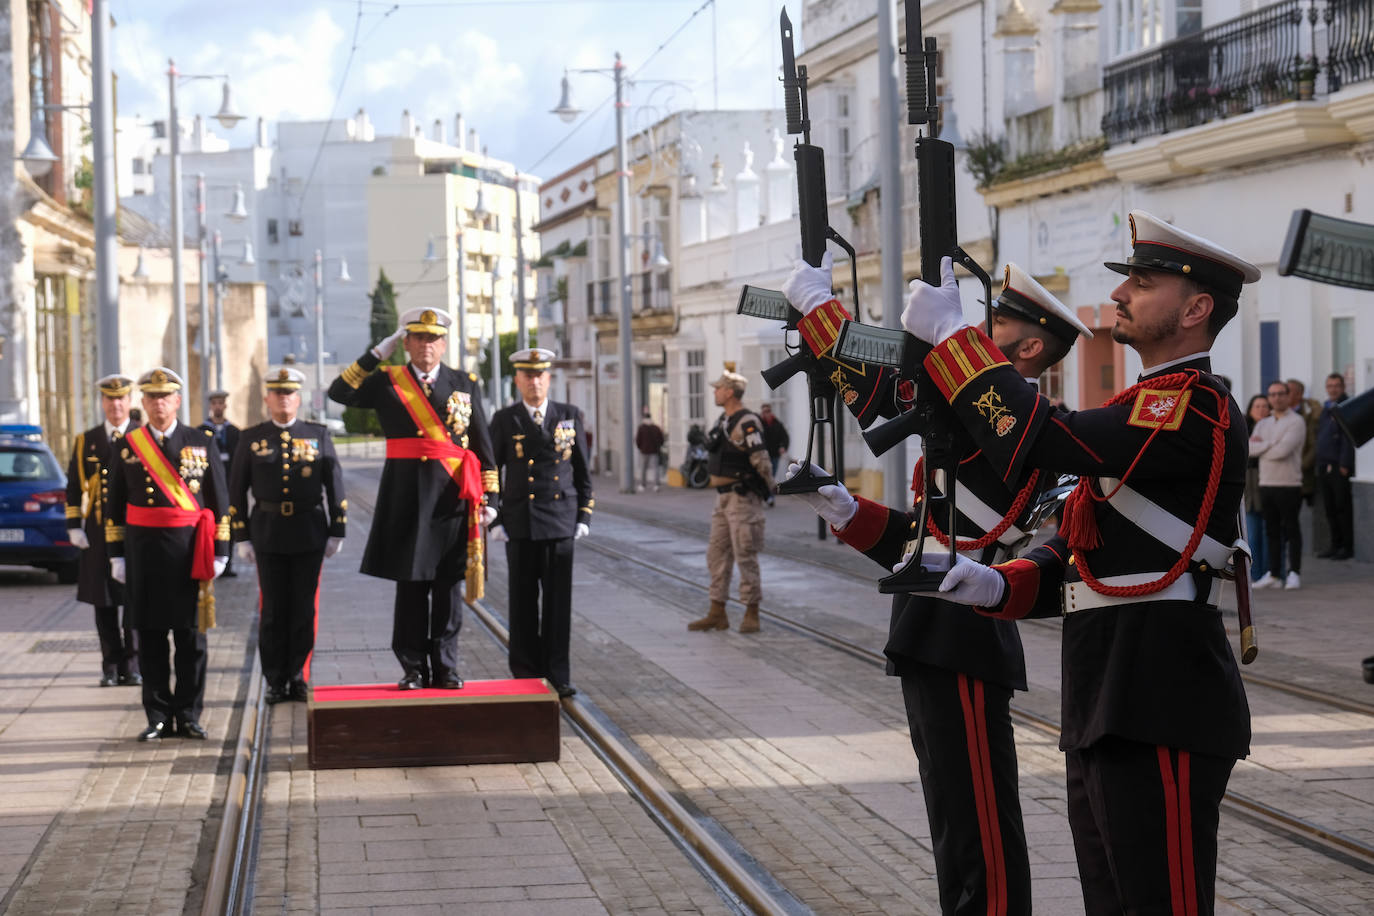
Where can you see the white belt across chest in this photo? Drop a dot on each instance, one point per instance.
(1169, 530)
(978, 512)
(931, 547)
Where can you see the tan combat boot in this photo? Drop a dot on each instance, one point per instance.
(715, 619)
(750, 623)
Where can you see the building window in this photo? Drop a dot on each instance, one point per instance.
(1269, 352)
(1052, 383)
(140, 167)
(273, 237)
(1343, 350)
(696, 386)
(1139, 24)
(1187, 17)
(295, 227)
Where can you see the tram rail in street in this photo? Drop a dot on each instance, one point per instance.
(1330, 843)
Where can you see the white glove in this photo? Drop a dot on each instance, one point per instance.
(220, 564)
(117, 569)
(832, 502)
(332, 546)
(807, 287)
(245, 551)
(970, 583)
(488, 516)
(498, 533)
(78, 537)
(387, 347)
(582, 531)
(932, 313)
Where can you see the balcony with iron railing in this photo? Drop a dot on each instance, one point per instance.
(650, 291)
(1270, 57)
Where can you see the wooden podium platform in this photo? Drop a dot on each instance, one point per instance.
(380, 725)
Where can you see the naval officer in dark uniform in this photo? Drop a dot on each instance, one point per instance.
(438, 488)
(88, 475)
(226, 436)
(546, 504)
(297, 522)
(1154, 711)
(167, 529)
(958, 670)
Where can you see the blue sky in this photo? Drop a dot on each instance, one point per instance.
(498, 62)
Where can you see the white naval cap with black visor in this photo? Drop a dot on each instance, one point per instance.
(1022, 297)
(1156, 245)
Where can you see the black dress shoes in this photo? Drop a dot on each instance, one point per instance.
(276, 695)
(299, 690)
(449, 682)
(411, 681)
(130, 680)
(109, 680)
(153, 732)
(191, 729)
(565, 690)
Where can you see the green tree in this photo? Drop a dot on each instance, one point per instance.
(382, 323)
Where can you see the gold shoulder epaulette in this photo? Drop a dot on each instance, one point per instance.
(472, 376)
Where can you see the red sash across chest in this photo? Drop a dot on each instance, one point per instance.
(185, 511)
(434, 442)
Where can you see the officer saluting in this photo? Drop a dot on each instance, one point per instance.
(958, 670)
(87, 484)
(546, 504)
(167, 528)
(426, 532)
(1154, 712)
(297, 521)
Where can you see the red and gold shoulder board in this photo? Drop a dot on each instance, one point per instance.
(1160, 408)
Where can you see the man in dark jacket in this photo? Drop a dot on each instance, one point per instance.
(1335, 465)
(775, 437)
(546, 504)
(648, 442)
(167, 530)
(438, 487)
(297, 522)
(88, 479)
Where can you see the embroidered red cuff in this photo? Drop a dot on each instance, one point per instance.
(821, 327)
(960, 358)
(1023, 585)
(866, 527)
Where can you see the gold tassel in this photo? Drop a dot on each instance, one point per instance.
(476, 571)
(205, 607)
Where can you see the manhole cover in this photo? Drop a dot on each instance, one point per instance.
(84, 644)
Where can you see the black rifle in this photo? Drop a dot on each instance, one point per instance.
(923, 410)
(816, 230)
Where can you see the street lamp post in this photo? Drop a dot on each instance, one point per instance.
(343, 277)
(202, 246)
(103, 186)
(496, 399)
(524, 332)
(567, 112)
(228, 118)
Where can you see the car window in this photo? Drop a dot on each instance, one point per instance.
(26, 464)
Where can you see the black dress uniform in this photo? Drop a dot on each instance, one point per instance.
(420, 530)
(298, 504)
(226, 436)
(546, 492)
(160, 593)
(959, 670)
(1154, 712)
(87, 483)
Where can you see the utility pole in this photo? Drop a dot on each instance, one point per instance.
(203, 249)
(524, 332)
(627, 380)
(220, 293)
(106, 240)
(178, 287)
(895, 471)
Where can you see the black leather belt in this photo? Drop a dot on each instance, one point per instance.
(286, 508)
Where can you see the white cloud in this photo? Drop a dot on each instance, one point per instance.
(471, 75)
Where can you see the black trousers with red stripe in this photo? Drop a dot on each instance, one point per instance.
(1144, 822)
(289, 586)
(961, 730)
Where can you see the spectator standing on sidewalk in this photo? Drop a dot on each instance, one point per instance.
(1335, 459)
(1309, 409)
(1278, 443)
(774, 436)
(1256, 410)
(649, 442)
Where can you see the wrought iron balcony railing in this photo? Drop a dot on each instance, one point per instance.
(1250, 61)
(1349, 41)
(649, 290)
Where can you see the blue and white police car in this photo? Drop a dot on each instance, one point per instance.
(33, 499)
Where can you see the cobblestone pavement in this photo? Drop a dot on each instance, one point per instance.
(795, 751)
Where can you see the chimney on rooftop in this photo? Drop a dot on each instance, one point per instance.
(439, 131)
(473, 145)
(365, 131)
(407, 124)
(459, 131)
(198, 134)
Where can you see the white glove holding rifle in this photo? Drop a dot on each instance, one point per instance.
(966, 583)
(933, 313)
(831, 502)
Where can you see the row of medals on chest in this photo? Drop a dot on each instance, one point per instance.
(563, 439)
(303, 451)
